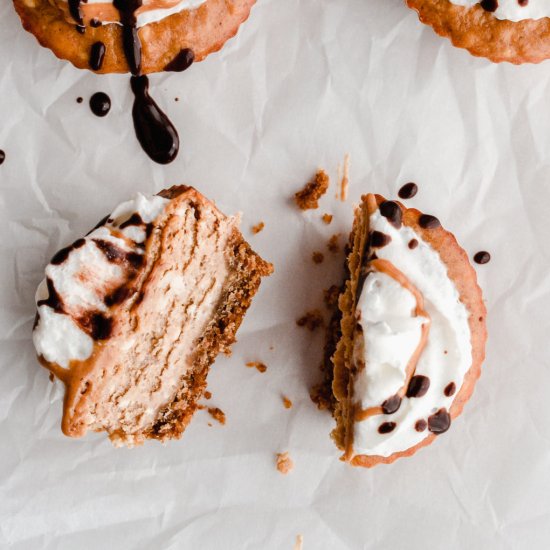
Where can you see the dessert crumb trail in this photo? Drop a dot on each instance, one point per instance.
(217, 414)
(287, 402)
(284, 463)
(258, 227)
(312, 320)
(260, 367)
(308, 197)
(318, 257)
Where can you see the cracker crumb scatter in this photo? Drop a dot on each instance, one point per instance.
(299, 544)
(344, 181)
(327, 218)
(260, 367)
(284, 463)
(312, 320)
(333, 245)
(318, 257)
(210, 424)
(287, 402)
(258, 227)
(308, 197)
(217, 414)
(331, 296)
(207, 395)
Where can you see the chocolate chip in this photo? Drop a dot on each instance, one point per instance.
(482, 257)
(386, 427)
(420, 425)
(391, 404)
(413, 243)
(392, 212)
(408, 191)
(418, 386)
(428, 222)
(379, 239)
(450, 389)
(489, 5)
(439, 422)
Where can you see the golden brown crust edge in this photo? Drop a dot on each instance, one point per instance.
(204, 30)
(464, 277)
(483, 35)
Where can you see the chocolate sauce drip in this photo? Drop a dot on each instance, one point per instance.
(391, 405)
(36, 320)
(63, 254)
(418, 386)
(181, 62)
(413, 243)
(2, 156)
(80, 29)
(408, 191)
(100, 223)
(115, 254)
(76, 13)
(392, 212)
(439, 422)
(386, 427)
(95, 23)
(53, 300)
(134, 219)
(482, 257)
(450, 389)
(158, 137)
(130, 38)
(100, 104)
(428, 222)
(97, 55)
(379, 239)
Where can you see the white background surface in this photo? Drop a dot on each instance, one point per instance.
(305, 82)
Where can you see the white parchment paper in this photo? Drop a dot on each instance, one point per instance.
(305, 82)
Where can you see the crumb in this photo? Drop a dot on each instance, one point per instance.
(327, 218)
(271, 348)
(333, 245)
(331, 296)
(258, 227)
(201, 407)
(308, 197)
(207, 395)
(287, 402)
(299, 544)
(210, 424)
(318, 257)
(344, 181)
(284, 463)
(217, 414)
(312, 320)
(261, 367)
(176, 99)
(52, 377)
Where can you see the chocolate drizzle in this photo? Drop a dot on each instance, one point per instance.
(156, 134)
(391, 404)
(134, 219)
(408, 191)
(482, 257)
(439, 422)
(392, 212)
(63, 254)
(97, 54)
(379, 239)
(182, 61)
(386, 427)
(100, 104)
(418, 386)
(2, 156)
(53, 300)
(76, 13)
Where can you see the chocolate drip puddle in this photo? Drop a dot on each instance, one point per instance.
(155, 132)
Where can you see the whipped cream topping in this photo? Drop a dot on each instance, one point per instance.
(511, 10)
(151, 11)
(391, 333)
(71, 300)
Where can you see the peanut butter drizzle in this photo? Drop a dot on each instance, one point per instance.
(386, 267)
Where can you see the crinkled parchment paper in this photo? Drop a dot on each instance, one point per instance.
(305, 82)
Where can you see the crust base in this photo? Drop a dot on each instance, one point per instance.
(483, 35)
(203, 30)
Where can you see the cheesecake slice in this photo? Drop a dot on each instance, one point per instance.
(131, 316)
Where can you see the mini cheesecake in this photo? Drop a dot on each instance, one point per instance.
(411, 334)
(102, 35)
(517, 31)
(131, 316)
